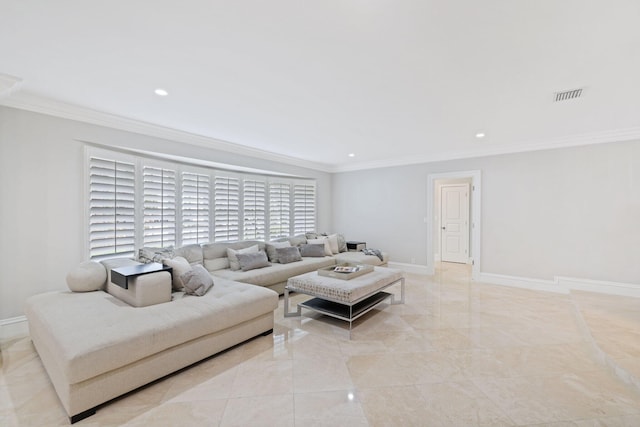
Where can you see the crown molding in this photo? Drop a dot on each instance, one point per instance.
(38, 104)
(619, 135)
(35, 103)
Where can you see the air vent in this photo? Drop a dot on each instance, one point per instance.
(568, 94)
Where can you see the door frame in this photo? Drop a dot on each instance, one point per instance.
(476, 211)
(468, 220)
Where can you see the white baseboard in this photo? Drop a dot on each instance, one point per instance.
(411, 268)
(13, 327)
(563, 285)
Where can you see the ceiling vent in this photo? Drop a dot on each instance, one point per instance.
(568, 94)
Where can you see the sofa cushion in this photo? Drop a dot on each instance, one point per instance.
(312, 250)
(196, 281)
(325, 242)
(271, 249)
(192, 253)
(232, 254)
(277, 273)
(180, 266)
(87, 277)
(215, 254)
(144, 290)
(114, 334)
(252, 261)
(288, 255)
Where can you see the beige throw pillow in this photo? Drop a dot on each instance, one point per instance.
(180, 266)
(87, 277)
(333, 242)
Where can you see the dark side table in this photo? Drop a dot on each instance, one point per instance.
(121, 275)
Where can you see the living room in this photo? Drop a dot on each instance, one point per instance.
(559, 192)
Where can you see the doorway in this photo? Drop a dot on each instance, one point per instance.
(454, 223)
(433, 219)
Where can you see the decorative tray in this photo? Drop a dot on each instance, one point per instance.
(345, 271)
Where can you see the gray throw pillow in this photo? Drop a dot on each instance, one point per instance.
(271, 249)
(253, 261)
(148, 255)
(314, 250)
(287, 255)
(233, 259)
(196, 281)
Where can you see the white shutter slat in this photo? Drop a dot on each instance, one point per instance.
(159, 207)
(254, 217)
(111, 207)
(226, 208)
(279, 210)
(195, 208)
(304, 208)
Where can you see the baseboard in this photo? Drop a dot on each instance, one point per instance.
(523, 282)
(13, 327)
(410, 268)
(563, 285)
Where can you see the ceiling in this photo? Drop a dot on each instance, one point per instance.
(391, 81)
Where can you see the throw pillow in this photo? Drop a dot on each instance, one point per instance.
(180, 266)
(333, 243)
(252, 261)
(271, 249)
(312, 250)
(87, 277)
(342, 243)
(298, 240)
(197, 281)
(325, 242)
(232, 255)
(287, 255)
(148, 255)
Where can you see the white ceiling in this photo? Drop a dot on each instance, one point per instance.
(391, 81)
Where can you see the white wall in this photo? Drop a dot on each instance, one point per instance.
(41, 196)
(571, 212)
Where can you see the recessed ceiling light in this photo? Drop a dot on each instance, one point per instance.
(352, 154)
(161, 92)
(479, 135)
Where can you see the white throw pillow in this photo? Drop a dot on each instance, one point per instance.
(87, 277)
(180, 266)
(325, 242)
(233, 259)
(333, 242)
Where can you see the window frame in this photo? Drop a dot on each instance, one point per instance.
(179, 167)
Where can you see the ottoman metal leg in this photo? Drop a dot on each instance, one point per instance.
(286, 306)
(393, 297)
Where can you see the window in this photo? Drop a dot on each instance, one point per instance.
(159, 213)
(279, 210)
(111, 208)
(304, 208)
(195, 208)
(227, 210)
(135, 201)
(254, 209)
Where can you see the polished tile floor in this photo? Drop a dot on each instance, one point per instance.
(457, 353)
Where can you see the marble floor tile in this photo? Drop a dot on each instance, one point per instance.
(457, 353)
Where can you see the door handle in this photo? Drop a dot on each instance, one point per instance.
(444, 228)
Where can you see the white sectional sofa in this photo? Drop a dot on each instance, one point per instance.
(103, 341)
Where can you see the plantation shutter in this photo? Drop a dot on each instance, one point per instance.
(279, 210)
(227, 211)
(304, 208)
(195, 208)
(111, 208)
(254, 209)
(159, 214)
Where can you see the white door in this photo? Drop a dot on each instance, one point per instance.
(454, 233)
